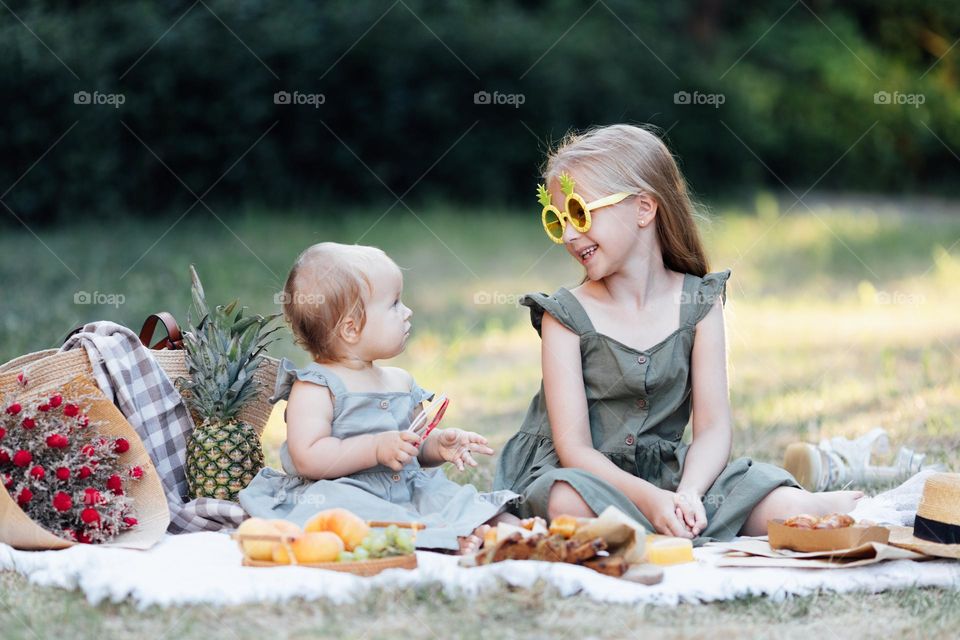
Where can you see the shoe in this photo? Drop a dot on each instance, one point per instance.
(840, 463)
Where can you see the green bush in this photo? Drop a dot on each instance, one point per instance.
(198, 83)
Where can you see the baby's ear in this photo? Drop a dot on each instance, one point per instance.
(349, 331)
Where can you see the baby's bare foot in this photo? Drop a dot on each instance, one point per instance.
(472, 543)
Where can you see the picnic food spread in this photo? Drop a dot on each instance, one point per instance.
(612, 544)
(333, 539)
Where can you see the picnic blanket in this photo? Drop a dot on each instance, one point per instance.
(204, 568)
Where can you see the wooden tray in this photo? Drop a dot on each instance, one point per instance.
(364, 568)
(361, 568)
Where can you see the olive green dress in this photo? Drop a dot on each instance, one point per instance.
(639, 404)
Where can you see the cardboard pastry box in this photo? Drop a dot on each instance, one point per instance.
(784, 537)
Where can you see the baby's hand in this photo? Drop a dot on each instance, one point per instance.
(458, 446)
(690, 511)
(396, 448)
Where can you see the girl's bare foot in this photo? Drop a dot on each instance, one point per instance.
(471, 544)
(839, 501)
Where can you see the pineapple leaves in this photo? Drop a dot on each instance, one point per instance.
(566, 184)
(223, 352)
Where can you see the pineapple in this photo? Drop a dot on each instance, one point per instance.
(222, 354)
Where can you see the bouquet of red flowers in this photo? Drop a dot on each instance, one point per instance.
(64, 475)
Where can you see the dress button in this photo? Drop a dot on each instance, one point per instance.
(642, 360)
(384, 404)
(630, 440)
(396, 477)
(642, 403)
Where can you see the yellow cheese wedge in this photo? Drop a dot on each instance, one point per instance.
(667, 550)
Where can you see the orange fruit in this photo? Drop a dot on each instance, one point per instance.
(280, 554)
(348, 526)
(257, 549)
(287, 528)
(317, 546)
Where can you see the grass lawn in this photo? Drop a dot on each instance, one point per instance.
(840, 318)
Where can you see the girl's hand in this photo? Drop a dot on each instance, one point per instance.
(396, 448)
(661, 510)
(690, 511)
(458, 446)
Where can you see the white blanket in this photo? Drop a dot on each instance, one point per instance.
(205, 568)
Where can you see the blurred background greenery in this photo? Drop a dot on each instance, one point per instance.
(140, 137)
(792, 83)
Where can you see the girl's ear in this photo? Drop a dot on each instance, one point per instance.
(349, 331)
(646, 209)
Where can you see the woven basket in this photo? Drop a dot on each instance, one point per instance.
(48, 369)
(153, 516)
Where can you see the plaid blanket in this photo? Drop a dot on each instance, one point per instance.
(128, 374)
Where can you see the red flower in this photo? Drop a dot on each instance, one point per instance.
(29, 423)
(22, 458)
(4, 457)
(130, 522)
(115, 484)
(25, 496)
(38, 472)
(83, 421)
(63, 473)
(22, 379)
(14, 409)
(56, 400)
(84, 472)
(7, 480)
(44, 407)
(3, 432)
(62, 501)
(83, 538)
(90, 516)
(88, 450)
(71, 410)
(136, 472)
(121, 445)
(91, 496)
(57, 441)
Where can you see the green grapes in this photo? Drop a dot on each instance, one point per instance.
(392, 541)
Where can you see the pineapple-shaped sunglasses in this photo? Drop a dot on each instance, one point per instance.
(576, 210)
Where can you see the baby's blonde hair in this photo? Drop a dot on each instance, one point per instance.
(631, 159)
(328, 284)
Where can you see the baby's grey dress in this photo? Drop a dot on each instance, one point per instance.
(416, 494)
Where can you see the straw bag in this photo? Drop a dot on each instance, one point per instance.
(53, 369)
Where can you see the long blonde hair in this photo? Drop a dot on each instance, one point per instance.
(628, 158)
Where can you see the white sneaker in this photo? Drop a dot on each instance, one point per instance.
(840, 463)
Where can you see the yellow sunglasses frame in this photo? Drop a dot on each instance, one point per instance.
(588, 208)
